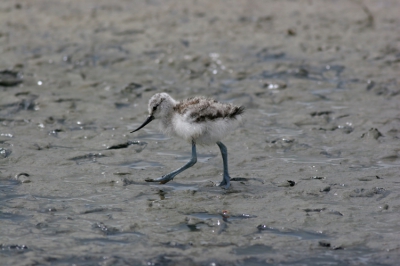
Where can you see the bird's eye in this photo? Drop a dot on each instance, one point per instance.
(155, 107)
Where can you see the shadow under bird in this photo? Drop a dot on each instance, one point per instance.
(198, 120)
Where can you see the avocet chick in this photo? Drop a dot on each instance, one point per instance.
(198, 120)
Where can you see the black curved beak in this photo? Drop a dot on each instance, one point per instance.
(148, 120)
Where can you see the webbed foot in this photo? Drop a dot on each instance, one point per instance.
(225, 182)
(162, 180)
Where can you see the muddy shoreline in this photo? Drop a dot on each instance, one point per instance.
(315, 165)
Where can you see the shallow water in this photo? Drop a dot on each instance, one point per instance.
(315, 166)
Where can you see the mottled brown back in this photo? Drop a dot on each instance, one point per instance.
(202, 109)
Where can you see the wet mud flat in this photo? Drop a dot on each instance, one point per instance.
(315, 166)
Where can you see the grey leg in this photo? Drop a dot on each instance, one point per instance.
(224, 152)
(168, 177)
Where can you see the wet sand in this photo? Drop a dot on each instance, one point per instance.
(315, 166)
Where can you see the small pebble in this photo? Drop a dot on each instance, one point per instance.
(325, 189)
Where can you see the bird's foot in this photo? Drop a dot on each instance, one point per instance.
(225, 182)
(162, 180)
